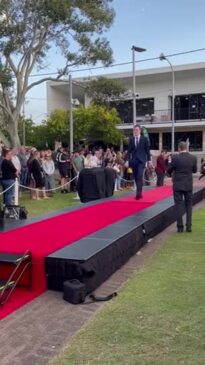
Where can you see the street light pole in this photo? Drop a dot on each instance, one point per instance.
(162, 57)
(134, 49)
(133, 88)
(71, 111)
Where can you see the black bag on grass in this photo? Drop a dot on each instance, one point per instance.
(74, 291)
(14, 212)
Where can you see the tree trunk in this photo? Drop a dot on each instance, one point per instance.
(13, 132)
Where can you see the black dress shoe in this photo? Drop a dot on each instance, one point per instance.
(180, 229)
(139, 196)
(188, 229)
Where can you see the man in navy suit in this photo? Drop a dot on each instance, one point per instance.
(182, 166)
(138, 156)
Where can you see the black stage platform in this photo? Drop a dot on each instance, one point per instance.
(94, 258)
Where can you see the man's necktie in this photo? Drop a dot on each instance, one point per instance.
(136, 141)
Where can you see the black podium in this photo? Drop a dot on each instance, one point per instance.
(95, 183)
(110, 176)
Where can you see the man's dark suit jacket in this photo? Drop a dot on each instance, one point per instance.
(182, 166)
(139, 154)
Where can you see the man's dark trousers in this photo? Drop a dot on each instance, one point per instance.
(160, 179)
(138, 170)
(179, 203)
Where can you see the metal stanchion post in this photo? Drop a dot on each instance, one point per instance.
(16, 192)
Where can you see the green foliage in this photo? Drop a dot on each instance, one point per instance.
(57, 126)
(29, 29)
(34, 26)
(103, 90)
(35, 135)
(95, 123)
(5, 77)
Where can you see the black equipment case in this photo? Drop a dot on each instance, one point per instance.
(74, 291)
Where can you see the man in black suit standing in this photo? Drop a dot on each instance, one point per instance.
(183, 166)
(138, 156)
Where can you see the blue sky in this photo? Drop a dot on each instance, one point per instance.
(168, 26)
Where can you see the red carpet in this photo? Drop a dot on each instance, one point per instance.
(49, 235)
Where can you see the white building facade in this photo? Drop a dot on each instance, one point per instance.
(153, 104)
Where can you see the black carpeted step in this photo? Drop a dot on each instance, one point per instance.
(12, 258)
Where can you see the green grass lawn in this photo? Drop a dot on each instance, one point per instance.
(158, 318)
(39, 207)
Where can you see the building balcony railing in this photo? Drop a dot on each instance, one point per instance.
(159, 116)
(165, 115)
(193, 113)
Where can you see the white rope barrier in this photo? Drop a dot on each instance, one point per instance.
(47, 190)
(152, 179)
(122, 179)
(4, 191)
(17, 186)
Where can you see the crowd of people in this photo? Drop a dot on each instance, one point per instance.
(45, 170)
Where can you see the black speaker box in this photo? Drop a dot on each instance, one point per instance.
(74, 291)
(14, 212)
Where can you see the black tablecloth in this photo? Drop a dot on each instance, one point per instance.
(110, 176)
(95, 183)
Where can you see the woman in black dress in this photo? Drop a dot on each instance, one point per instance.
(37, 174)
(63, 163)
(9, 174)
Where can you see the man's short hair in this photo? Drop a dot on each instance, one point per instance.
(137, 126)
(182, 146)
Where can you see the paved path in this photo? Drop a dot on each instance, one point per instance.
(38, 331)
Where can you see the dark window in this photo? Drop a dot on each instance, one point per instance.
(154, 141)
(194, 138)
(144, 106)
(166, 141)
(125, 110)
(202, 106)
(190, 107)
(182, 107)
